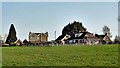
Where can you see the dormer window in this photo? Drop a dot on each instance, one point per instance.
(78, 35)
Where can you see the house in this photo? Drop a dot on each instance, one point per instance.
(83, 38)
(104, 39)
(25, 42)
(38, 37)
(62, 39)
(18, 42)
(107, 39)
(91, 39)
(78, 38)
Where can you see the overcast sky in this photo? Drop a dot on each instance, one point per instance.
(53, 16)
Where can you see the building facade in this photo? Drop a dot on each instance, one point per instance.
(38, 37)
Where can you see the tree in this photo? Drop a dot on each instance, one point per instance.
(119, 18)
(5, 37)
(0, 37)
(11, 36)
(72, 28)
(117, 40)
(106, 30)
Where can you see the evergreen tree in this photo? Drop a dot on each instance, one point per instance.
(116, 39)
(11, 36)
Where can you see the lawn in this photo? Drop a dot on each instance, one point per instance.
(97, 55)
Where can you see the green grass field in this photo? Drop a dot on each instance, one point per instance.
(97, 55)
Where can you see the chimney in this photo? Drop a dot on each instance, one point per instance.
(46, 33)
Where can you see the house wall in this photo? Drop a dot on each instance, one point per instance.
(84, 41)
(79, 41)
(33, 38)
(44, 38)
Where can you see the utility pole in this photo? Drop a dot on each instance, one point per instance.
(55, 34)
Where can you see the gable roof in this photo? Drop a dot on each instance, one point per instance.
(100, 36)
(80, 37)
(107, 39)
(18, 41)
(46, 34)
(37, 33)
(60, 37)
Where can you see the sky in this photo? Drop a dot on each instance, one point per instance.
(0, 32)
(119, 17)
(53, 16)
(60, 0)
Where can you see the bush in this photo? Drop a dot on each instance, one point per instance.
(12, 44)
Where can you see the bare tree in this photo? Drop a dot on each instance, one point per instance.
(106, 30)
(5, 37)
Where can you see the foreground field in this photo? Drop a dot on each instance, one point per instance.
(99, 55)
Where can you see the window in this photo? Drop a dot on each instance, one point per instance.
(76, 41)
(78, 35)
(37, 37)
